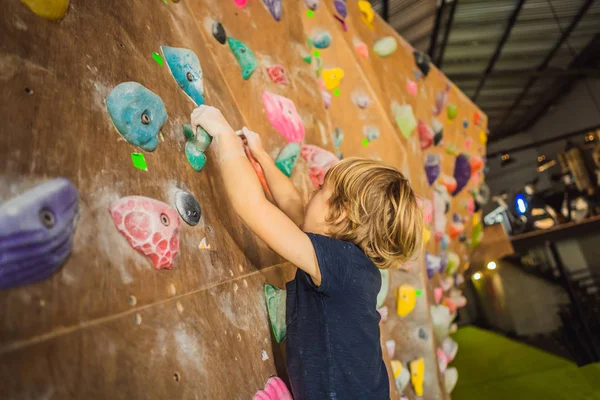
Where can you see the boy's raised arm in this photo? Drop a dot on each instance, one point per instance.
(247, 198)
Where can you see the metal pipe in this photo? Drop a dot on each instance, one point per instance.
(436, 28)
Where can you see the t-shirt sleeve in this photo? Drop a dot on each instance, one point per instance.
(333, 263)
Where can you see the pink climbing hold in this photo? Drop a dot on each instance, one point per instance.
(282, 114)
(241, 3)
(150, 226)
(277, 74)
(361, 48)
(425, 134)
(437, 294)
(412, 87)
(319, 161)
(274, 389)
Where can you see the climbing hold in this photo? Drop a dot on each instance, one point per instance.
(482, 137)
(412, 87)
(477, 164)
(321, 39)
(188, 207)
(425, 134)
(342, 22)
(441, 319)
(150, 226)
(418, 74)
(423, 334)
(442, 360)
(406, 298)
(244, 56)
(441, 98)
(449, 182)
(319, 161)
(390, 346)
(441, 204)
(52, 10)
(438, 292)
(361, 48)
(432, 167)
(274, 389)
(468, 143)
(401, 375)
(282, 114)
(450, 379)
(326, 98)
(338, 138)
(336, 92)
(361, 100)
(385, 46)
(157, 58)
(196, 145)
(185, 68)
(462, 173)
(286, 160)
(451, 149)
(453, 263)
(476, 118)
(445, 242)
(385, 287)
(456, 226)
(426, 236)
(203, 245)
(452, 111)
(139, 161)
(36, 232)
(312, 4)
(219, 33)
(332, 77)
(423, 61)
(277, 74)
(367, 14)
(433, 264)
(307, 58)
(137, 113)
(405, 119)
(465, 123)
(240, 3)
(438, 132)
(417, 375)
(427, 208)
(371, 133)
(340, 7)
(275, 8)
(276, 303)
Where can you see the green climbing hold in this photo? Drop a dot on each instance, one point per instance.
(385, 46)
(452, 111)
(276, 299)
(286, 160)
(157, 58)
(307, 59)
(196, 145)
(405, 119)
(244, 56)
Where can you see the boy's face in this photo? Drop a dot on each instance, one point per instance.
(317, 210)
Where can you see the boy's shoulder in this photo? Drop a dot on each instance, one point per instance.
(329, 249)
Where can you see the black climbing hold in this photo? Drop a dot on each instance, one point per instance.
(219, 32)
(187, 207)
(29, 91)
(423, 334)
(423, 61)
(462, 237)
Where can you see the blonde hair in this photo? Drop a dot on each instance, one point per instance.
(373, 206)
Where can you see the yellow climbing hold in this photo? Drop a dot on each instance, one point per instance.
(52, 10)
(417, 375)
(426, 236)
(367, 13)
(332, 77)
(482, 138)
(406, 299)
(203, 244)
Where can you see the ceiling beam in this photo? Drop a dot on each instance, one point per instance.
(436, 28)
(588, 57)
(449, 22)
(386, 10)
(593, 73)
(544, 64)
(509, 25)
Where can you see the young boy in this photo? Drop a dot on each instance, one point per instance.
(364, 216)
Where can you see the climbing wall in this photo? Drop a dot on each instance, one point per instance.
(107, 323)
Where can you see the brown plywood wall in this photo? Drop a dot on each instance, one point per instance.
(107, 324)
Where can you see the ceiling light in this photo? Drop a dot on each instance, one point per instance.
(477, 276)
(491, 265)
(543, 163)
(506, 159)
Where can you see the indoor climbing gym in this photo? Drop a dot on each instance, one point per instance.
(300, 199)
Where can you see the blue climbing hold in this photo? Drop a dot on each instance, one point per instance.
(196, 145)
(321, 40)
(244, 56)
(137, 113)
(185, 68)
(286, 160)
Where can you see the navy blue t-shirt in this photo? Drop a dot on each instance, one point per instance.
(333, 341)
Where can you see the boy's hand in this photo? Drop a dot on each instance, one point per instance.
(211, 120)
(253, 139)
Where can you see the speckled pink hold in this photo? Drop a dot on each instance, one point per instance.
(319, 161)
(241, 3)
(412, 87)
(282, 114)
(274, 389)
(150, 226)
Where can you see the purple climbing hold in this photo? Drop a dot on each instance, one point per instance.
(275, 8)
(340, 7)
(462, 172)
(432, 167)
(36, 232)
